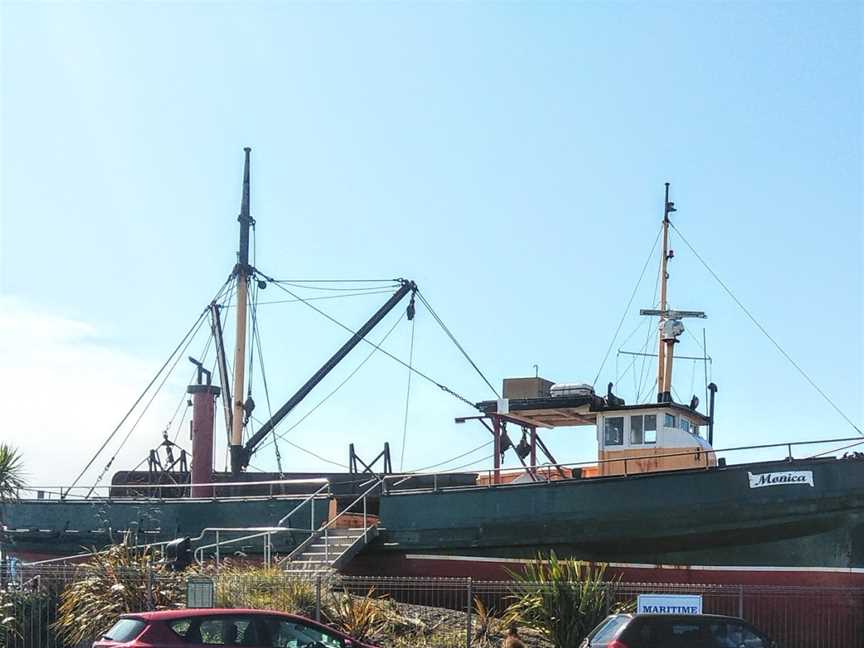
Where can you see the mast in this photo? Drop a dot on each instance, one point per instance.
(666, 346)
(242, 271)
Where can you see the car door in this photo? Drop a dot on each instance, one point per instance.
(294, 633)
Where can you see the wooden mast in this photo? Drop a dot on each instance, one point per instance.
(242, 271)
(666, 343)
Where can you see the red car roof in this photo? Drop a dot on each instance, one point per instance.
(185, 613)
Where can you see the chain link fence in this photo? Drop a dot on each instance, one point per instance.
(796, 617)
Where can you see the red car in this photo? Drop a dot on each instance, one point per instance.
(200, 628)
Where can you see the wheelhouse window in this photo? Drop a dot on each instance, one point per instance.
(643, 429)
(671, 421)
(685, 425)
(613, 431)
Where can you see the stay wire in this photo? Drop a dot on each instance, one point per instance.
(776, 344)
(282, 435)
(627, 309)
(453, 339)
(143, 393)
(352, 294)
(306, 450)
(324, 314)
(144, 410)
(407, 398)
(257, 339)
(485, 444)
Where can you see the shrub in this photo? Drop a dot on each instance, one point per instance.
(363, 617)
(112, 583)
(264, 588)
(562, 599)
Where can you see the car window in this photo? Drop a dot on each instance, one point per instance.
(220, 631)
(125, 630)
(605, 632)
(734, 635)
(294, 634)
(180, 626)
(659, 632)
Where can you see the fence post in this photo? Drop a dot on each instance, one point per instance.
(318, 597)
(469, 608)
(149, 585)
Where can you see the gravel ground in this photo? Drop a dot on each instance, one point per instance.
(433, 624)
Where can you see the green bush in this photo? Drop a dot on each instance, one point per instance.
(562, 599)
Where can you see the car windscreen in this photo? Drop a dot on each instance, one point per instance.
(124, 630)
(605, 632)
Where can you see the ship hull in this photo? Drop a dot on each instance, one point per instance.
(717, 525)
(49, 529)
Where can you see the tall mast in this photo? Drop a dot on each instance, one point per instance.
(670, 320)
(242, 271)
(665, 350)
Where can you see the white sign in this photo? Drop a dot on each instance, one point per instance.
(669, 604)
(786, 478)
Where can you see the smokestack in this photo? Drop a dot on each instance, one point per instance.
(203, 413)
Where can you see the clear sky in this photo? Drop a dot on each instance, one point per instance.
(509, 157)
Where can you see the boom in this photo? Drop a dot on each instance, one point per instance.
(406, 287)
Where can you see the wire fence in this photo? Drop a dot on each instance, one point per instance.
(796, 617)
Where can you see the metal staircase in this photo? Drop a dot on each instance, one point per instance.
(329, 548)
(330, 552)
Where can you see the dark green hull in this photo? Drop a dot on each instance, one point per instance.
(710, 518)
(38, 529)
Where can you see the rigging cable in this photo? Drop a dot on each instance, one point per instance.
(362, 293)
(441, 386)
(306, 450)
(144, 410)
(456, 458)
(282, 435)
(407, 398)
(456, 342)
(768, 335)
(256, 336)
(191, 330)
(627, 310)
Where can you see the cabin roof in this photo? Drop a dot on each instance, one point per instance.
(569, 411)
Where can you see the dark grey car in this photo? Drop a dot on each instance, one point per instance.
(675, 631)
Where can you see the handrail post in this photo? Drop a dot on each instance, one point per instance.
(364, 514)
(311, 516)
(469, 608)
(217, 550)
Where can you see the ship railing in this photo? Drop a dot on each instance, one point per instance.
(266, 533)
(54, 492)
(544, 472)
(378, 483)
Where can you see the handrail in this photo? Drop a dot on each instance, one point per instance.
(280, 528)
(299, 549)
(788, 445)
(174, 485)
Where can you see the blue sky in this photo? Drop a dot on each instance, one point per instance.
(510, 158)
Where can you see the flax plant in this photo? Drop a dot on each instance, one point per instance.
(363, 617)
(562, 599)
(111, 583)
